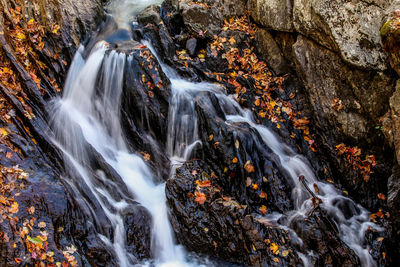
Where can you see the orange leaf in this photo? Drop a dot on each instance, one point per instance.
(381, 196)
(263, 195)
(200, 197)
(249, 167)
(235, 160)
(205, 183)
(263, 210)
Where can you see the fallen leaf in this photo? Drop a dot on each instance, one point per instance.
(274, 248)
(206, 183)
(263, 209)
(200, 197)
(237, 144)
(14, 208)
(381, 196)
(146, 156)
(263, 195)
(31, 210)
(249, 167)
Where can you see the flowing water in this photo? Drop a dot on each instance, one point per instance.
(86, 121)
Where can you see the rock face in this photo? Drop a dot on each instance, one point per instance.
(348, 27)
(346, 54)
(362, 94)
(334, 48)
(272, 14)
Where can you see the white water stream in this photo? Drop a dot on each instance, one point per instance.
(85, 119)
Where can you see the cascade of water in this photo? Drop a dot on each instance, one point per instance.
(182, 138)
(87, 117)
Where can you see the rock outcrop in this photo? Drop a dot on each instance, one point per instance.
(346, 55)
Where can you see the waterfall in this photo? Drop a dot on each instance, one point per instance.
(87, 124)
(83, 118)
(182, 139)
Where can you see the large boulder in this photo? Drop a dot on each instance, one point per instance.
(349, 27)
(362, 95)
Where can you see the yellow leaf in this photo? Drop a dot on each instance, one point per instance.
(20, 36)
(237, 144)
(14, 207)
(285, 253)
(263, 210)
(274, 248)
(275, 259)
(3, 132)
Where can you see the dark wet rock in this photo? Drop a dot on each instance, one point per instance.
(171, 16)
(191, 45)
(145, 90)
(319, 233)
(150, 15)
(67, 222)
(144, 111)
(222, 226)
(201, 20)
(364, 97)
(153, 29)
(138, 232)
(393, 202)
(240, 141)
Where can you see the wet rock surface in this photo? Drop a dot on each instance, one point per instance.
(320, 233)
(222, 226)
